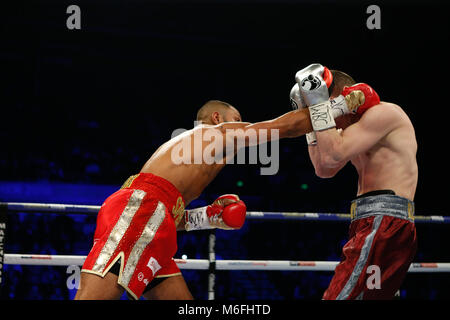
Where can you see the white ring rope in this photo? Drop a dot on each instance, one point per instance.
(203, 264)
(310, 216)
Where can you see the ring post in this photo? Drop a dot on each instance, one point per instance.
(3, 217)
(212, 264)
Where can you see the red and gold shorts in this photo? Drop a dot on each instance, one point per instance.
(136, 227)
(382, 244)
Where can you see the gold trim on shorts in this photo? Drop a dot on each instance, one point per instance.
(169, 275)
(120, 256)
(178, 210)
(129, 181)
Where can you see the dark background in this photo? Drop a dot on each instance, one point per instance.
(90, 106)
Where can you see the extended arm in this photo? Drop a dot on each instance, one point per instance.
(289, 125)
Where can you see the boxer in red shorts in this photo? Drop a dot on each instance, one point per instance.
(135, 238)
(379, 140)
(145, 243)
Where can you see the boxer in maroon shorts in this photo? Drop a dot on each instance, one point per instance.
(382, 238)
(379, 140)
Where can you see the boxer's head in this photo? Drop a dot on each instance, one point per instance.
(340, 81)
(215, 112)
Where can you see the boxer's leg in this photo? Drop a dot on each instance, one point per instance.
(355, 255)
(169, 288)
(384, 242)
(393, 253)
(94, 287)
(168, 284)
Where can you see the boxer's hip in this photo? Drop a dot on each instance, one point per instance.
(158, 188)
(382, 202)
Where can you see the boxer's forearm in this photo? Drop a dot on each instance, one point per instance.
(321, 170)
(329, 143)
(301, 123)
(289, 125)
(314, 156)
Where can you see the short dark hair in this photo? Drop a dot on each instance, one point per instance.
(341, 80)
(211, 106)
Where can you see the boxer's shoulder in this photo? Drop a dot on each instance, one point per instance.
(384, 114)
(387, 108)
(396, 114)
(391, 123)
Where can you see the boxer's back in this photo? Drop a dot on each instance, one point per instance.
(391, 163)
(188, 176)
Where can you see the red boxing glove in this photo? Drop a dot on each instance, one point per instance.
(327, 77)
(360, 97)
(227, 212)
(232, 209)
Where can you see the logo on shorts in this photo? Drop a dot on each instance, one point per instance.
(153, 265)
(310, 83)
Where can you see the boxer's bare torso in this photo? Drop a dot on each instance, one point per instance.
(189, 179)
(381, 145)
(391, 163)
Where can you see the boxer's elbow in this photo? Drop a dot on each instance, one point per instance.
(333, 155)
(328, 165)
(324, 173)
(331, 160)
(321, 169)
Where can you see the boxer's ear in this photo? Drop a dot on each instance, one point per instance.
(215, 117)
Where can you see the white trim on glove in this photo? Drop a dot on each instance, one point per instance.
(311, 139)
(339, 106)
(321, 116)
(197, 219)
